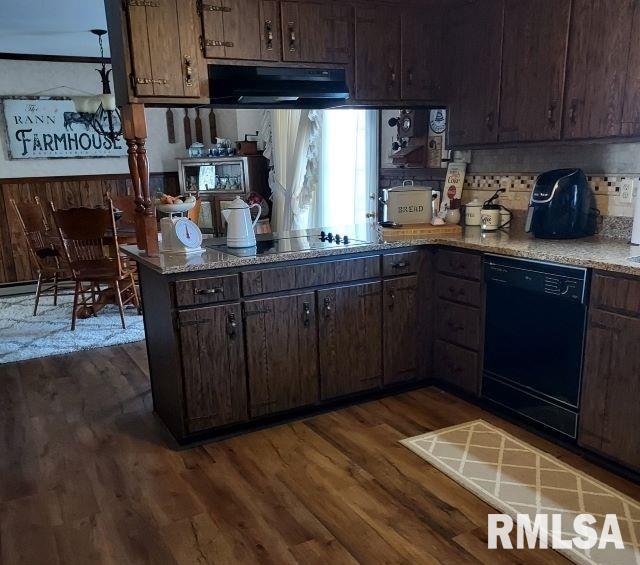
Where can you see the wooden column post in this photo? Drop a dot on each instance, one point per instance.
(135, 133)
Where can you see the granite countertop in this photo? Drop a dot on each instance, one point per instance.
(594, 252)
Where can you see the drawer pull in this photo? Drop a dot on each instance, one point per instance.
(209, 291)
(400, 265)
(257, 312)
(327, 306)
(218, 43)
(268, 35)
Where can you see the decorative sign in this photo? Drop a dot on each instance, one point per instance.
(47, 128)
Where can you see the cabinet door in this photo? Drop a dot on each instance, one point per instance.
(215, 392)
(271, 43)
(377, 53)
(421, 54)
(533, 69)
(350, 339)
(232, 29)
(156, 55)
(474, 42)
(597, 67)
(282, 353)
(317, 32)
(631, 113)
(611, 387)
(400, 330)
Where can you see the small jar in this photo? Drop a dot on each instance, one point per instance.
(473, 213)
(491, 217)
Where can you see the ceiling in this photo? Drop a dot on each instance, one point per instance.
(46, 27)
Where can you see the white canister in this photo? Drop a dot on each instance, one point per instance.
(473, 213)
(491, 217)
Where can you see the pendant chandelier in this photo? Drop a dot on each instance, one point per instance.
(101, 111)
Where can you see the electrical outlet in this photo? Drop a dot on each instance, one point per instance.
(625, 196)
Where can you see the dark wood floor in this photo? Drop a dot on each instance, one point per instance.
(86, 477)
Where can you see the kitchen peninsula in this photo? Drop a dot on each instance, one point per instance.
(236, 342)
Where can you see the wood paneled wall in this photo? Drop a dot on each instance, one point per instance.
(64, 192)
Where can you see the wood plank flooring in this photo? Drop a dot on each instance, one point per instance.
(86, 477)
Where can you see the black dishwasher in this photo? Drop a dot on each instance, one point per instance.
(534, 338)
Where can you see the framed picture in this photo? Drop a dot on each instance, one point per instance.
(51, 128)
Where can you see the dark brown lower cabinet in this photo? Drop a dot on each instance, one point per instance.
(401, 339)
(282, 353)
(610, 411)
(457, 366)
(350, 331)
(213, 363)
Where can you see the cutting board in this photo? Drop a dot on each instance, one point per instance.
(419, 230)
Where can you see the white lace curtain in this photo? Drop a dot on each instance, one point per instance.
(290, 141)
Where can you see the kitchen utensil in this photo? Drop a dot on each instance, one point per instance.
(199, 136)
(171, 127)
(239, 223)
(186, 124)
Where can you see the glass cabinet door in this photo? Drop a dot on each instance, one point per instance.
(217, 176)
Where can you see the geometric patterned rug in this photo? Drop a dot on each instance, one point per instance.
(516, 478)
(25, 336)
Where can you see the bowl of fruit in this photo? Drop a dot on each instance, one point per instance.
(174, 204)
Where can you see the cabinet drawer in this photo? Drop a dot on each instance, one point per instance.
(458, 324)
(400, 263)
(207, 291)
(457, 366)
(616, 293)
(459, 290)
(459, 264)
(314, 274)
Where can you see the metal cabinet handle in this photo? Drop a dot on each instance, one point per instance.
(268, 35)
(392, 300)
(188, 71)
(551, 110)
(144, 80)
(217, 43)
(231, 326)
(490, 121)
(400, 265)
(292, 37)
(205, 291)
(327, 306)
(572, 111)
(410, 76)
(306, 308)
(392, 74)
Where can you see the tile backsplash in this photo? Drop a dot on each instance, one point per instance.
(518, 190)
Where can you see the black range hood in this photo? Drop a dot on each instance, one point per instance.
(277, 87)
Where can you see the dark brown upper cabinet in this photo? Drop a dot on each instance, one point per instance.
(155, 49)
(473, 83)
(631, 111)
(421, 44)
(317, 32)
(350, 331)
(601, 33)
(533, 69)
(377, 53)
(241, 29)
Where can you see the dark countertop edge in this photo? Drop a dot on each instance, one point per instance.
(626, 267)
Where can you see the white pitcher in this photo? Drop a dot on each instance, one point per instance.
(239, 224)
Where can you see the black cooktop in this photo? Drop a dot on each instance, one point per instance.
(270, 245)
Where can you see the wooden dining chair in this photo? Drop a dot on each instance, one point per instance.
(50, 263)
(90, 241)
